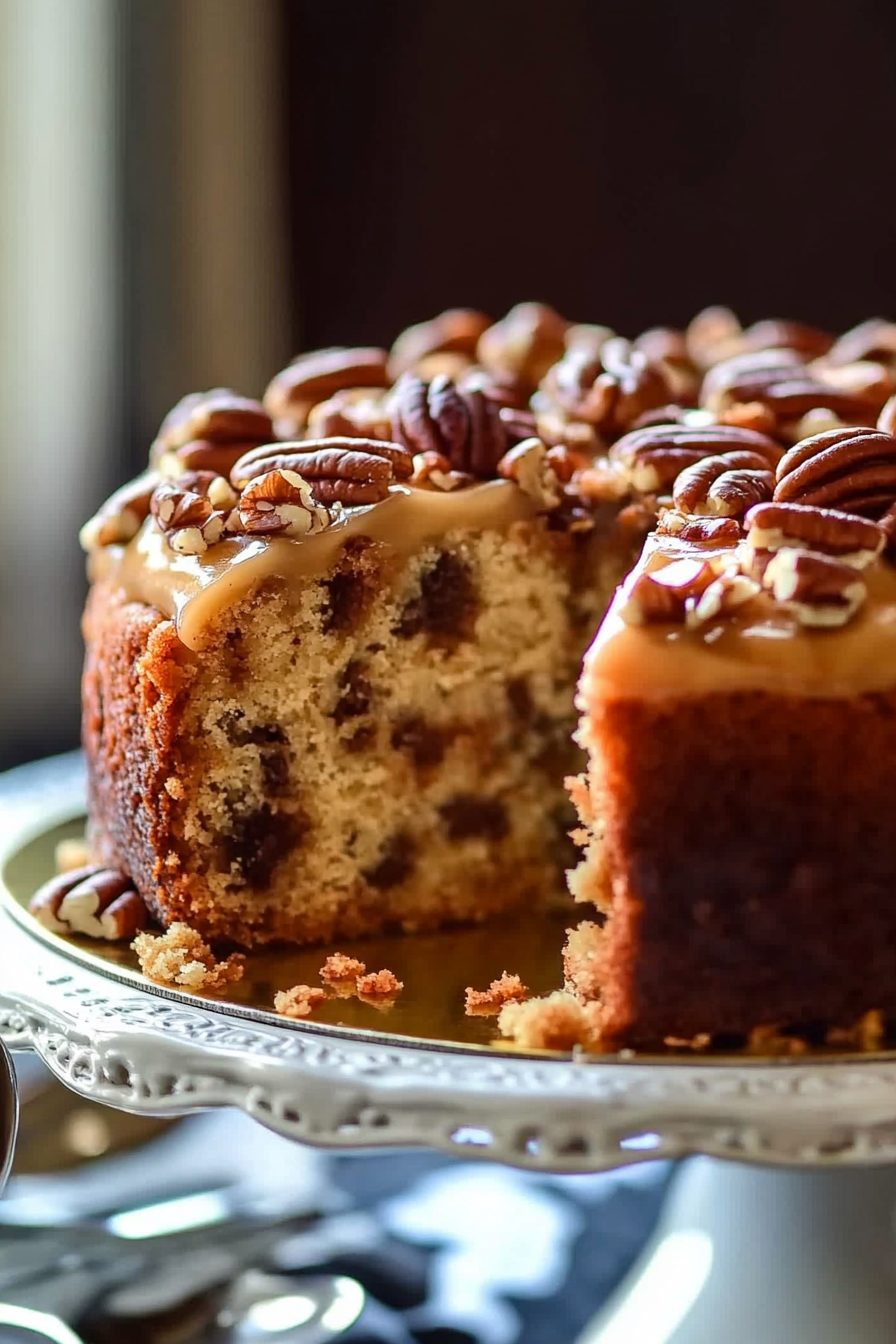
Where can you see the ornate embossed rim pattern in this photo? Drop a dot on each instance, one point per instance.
(128, 1048)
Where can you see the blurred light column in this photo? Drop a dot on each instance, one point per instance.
(59, 338)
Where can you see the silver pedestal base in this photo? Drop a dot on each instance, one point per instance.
(746, 1255)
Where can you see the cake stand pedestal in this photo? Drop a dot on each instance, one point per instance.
(790, 1241)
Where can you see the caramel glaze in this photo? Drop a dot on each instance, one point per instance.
(194, 589)
(760, 646)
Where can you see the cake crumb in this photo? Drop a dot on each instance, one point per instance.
(298, 1001)
(72, 854)
(488, 1002)
(379, 985)
(182, 958)
(702, 1041)
(339, 967)
(556, 1022)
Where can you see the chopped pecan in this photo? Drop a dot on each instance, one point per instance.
(730, 590)
(725, 485)
(851, 539)
(525, 343)
(609, 392)
(280, 501)
(820, 590)
(529, 464)
(663, 594)
(97, 902)
(850, 469)
(504, 389)
(339, 471)
(456, 331)
(194, 510)
(588, 336)
(353, 413)
(699, 531)
(653, 457)
(874, 339)
(463, 425)
(434, 469)
(315, 377)
(119, 520)
(749, 415)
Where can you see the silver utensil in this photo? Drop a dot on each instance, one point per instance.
(27, 1324)
(9, 1113)
(272, 1309)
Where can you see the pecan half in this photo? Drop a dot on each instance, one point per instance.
(851, 539)
(210, 420)
(281, 502)
(353, 413)
(850, 469)
(97, 902)
(529, 464)
(781, 334)
(783, 383)
(820, 590)
(463, 425)
(874, 339)
(610, 392)
(588, 337)
(886, 421)
(339, 471)
(653, 457)
(193, 511)
(668, 348)
(456, 331)
(525, 343)
(315, 377)
(712, 335)
(663, 594)
(725, 485)
(119, 520)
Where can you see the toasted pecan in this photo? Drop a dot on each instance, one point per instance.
(850, 469)
(455, 331)
(775, 525)
(339, 470)
(821, 590)
(462, 424)
(524, 343)
(724, 485)
(317, 375)
(652, 457)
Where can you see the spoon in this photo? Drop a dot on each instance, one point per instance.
(9, 1114)
(273, 1309)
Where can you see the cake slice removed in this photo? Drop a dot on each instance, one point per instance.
(739, 713)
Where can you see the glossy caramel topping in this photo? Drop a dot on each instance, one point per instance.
(761, 646)
(195, 589)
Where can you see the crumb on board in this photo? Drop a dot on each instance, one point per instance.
(339, 967)
(556, 1022)
(487, 1002)
(379, 985)
(181, 957)
(72, 854)
(702, 1041)
(298, 1001)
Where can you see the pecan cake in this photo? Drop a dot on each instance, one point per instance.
(333, 636)
(333, 639)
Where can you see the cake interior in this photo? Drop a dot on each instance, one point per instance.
(381, 746)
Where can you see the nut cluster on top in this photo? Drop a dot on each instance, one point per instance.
(695, 426)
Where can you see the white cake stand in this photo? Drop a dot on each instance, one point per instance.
(788, 1240)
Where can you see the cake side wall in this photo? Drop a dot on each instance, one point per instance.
(749, 844)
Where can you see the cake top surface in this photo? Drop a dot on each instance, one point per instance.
(468, 423)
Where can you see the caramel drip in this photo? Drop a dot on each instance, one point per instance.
(194, 590)
(760, 646)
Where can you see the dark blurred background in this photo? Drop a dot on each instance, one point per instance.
(194, 191)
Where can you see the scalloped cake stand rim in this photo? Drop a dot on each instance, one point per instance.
(137, 1050)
